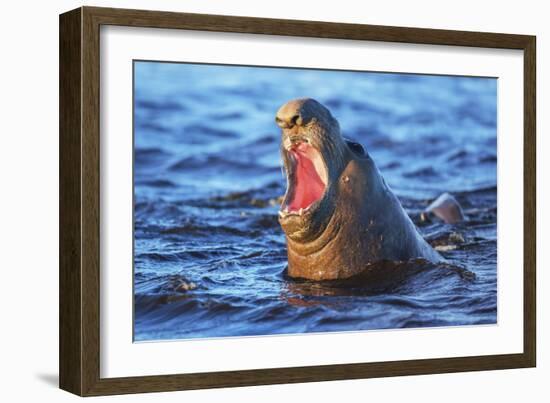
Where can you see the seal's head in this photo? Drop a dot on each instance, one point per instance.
(314, 155)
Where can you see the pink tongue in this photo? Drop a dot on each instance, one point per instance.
(308, 186)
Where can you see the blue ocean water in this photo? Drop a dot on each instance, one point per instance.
(209, 253)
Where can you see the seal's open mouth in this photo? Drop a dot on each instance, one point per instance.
(307, 178)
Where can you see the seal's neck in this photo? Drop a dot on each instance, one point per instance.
(345, 242)
(316, 245)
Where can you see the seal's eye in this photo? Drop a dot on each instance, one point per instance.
(356, 147)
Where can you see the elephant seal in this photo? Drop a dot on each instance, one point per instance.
(338, 214)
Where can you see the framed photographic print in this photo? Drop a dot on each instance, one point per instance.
(249, 201)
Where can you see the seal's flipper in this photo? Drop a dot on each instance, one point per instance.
(447, 208)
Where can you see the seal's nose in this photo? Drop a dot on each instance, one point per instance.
(288, 121)
(291, 114)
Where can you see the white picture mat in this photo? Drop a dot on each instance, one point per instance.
(119, 356)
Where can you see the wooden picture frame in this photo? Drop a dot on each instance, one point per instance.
(79, 201)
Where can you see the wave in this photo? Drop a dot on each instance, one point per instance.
(217, 164)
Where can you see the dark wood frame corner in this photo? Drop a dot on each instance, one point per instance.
(79, 200)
